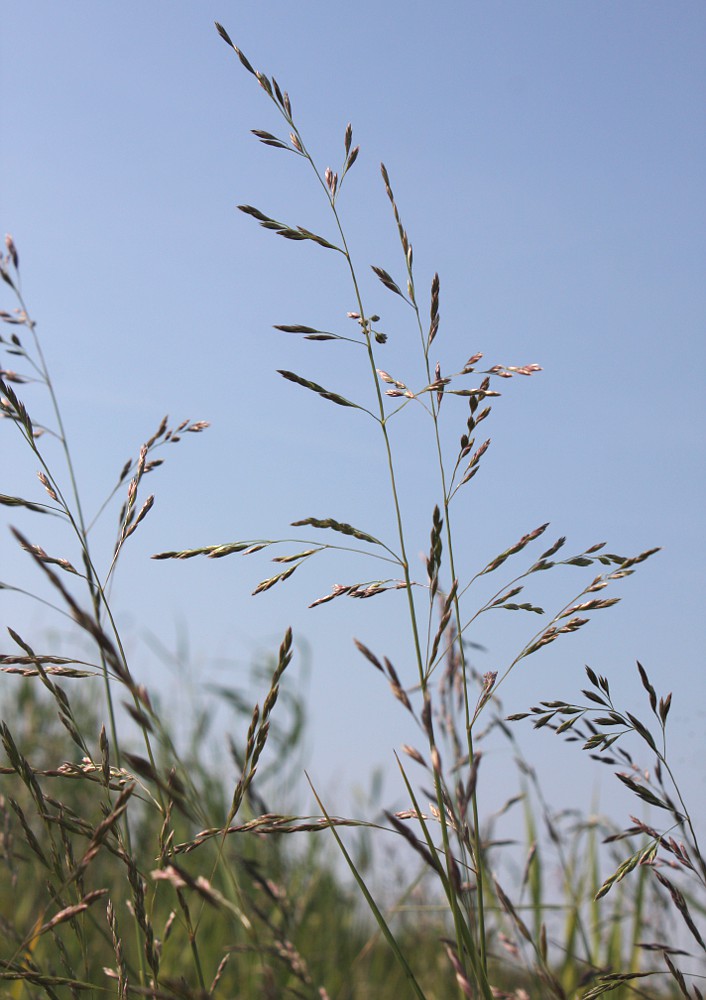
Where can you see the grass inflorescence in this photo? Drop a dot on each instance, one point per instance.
(132, 869)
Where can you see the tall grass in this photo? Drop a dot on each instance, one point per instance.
(137, 870)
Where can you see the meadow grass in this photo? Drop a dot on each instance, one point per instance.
(134, 867)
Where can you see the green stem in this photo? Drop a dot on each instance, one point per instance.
(461, 650)
(365, 326)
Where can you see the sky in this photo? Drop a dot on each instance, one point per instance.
(548, 162)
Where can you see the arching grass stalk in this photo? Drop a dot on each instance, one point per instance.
(68, 506)
(331, 186)
(23, 423)
(454, 798)
(16, 411)
(435, 399)
(71, 510)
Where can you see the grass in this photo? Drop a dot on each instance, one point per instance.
(135, 868)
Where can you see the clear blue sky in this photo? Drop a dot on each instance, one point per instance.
(548, 160)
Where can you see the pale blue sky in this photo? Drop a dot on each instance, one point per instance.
(548, 160)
